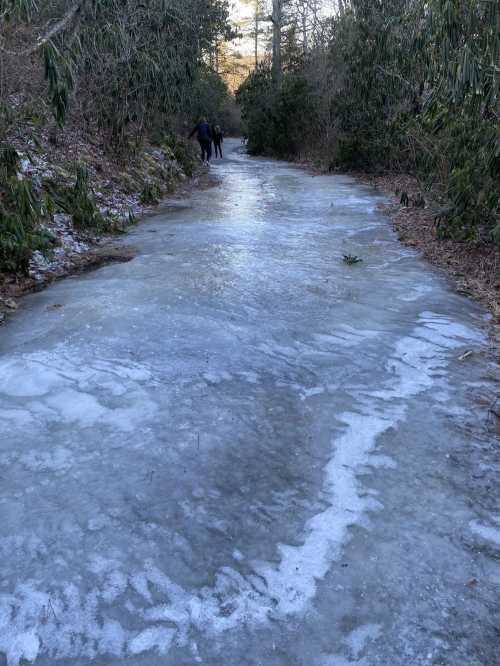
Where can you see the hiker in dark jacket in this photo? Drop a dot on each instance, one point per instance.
(218, 139)
(204, 136)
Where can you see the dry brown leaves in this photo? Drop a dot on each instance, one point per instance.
(475, 269)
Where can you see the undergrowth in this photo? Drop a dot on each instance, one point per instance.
(28, 204)
(78, 201)
(182, 151)
(21, 213)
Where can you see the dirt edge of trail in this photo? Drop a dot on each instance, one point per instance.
(473, 269)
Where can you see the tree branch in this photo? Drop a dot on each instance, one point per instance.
(61, 25)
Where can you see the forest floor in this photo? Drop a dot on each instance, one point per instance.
(474, 268)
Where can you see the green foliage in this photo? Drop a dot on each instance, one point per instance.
(83, 207)
(151, 194)
(355, 150)
(60, 80)
(273, 119)
(18, 9)
(257, 99)
(182, 151)
(462, 55)
(137, 67)
(351, 259)
(131, 218)
(401, 85)
(20, 214)
(473, 186)
(9, 162)
(210, 97)
(78, 201)
(143, 64)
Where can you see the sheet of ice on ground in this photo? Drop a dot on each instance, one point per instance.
(236, 449)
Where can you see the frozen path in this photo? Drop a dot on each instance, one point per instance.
(237, 450)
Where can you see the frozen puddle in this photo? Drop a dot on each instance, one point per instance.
(250, 453)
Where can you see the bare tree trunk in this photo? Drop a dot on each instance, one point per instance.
(277, 19)
(304, 30)
(257, 23)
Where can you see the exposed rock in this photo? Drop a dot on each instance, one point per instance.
(11, 304)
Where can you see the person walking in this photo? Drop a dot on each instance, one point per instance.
(218, 139)
(204, 136)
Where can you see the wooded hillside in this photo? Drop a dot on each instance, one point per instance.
(86, 86)
(125, 67)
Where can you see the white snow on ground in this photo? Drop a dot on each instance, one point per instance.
(293, 583)
(153, 638)
(55, 390)
(491, 534)
(359, 637)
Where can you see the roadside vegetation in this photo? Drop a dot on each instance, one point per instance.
(94, 98)
(399, 87)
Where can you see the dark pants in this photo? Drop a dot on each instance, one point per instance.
(206, 150)
(218, 148)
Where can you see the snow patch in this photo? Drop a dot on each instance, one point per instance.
(491, 534)
(153, 638)
(25, 645)
(311, 392)
(359, 638)
(58, 460)
(22, 378)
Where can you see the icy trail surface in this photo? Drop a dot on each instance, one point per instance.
(238, 450)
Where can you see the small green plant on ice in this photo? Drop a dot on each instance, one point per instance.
(351, 259)
(21, 212)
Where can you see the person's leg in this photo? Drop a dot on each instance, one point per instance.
(209, 151)
(202, 147)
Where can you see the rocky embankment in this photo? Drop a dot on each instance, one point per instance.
(120, 188)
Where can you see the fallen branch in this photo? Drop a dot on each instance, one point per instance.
(60, 26)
